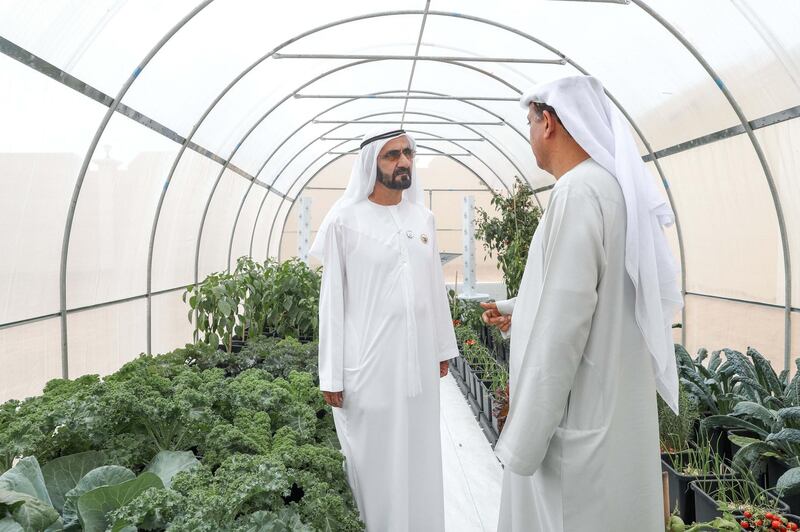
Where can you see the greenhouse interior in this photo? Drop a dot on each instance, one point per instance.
(171, 345)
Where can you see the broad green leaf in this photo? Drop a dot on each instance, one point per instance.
(789, 483)
(64, 473)
(785, 436)
(101, 476)
(95, 505)
(790, 415)
(30, 512)
(167, 464)
(731, 422)
(741, 441)
(58, 526)
(7, 524)
(755, 411)
(26, 477)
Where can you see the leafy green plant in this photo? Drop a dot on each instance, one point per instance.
(292, 301)
(676, 430)
(510, 233)
(713, 386)
(195, 439)
(699, 460)
(214, 305)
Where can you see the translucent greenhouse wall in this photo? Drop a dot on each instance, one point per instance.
(146, 144)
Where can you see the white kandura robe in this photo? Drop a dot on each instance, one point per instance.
(580, 447)
(382, 298)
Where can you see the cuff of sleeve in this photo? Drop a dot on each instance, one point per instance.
(506, 334)
(512, 463)
(448, 354)
(506, 306)
(331, 386)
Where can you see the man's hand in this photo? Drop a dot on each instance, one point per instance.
(492, 316)
(444, 365)
(335, 399)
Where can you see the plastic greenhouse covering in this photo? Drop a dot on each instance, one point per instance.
(145, 144)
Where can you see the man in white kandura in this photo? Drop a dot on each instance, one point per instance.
(591, 340)
(385, 337)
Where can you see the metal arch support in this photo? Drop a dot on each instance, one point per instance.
(200, 121)
(536, 197)
(258, 214)
(241, 142)
(263, 201)
(622, 110)
(261, 168)
(787, 264)
(378, 15)
(272, 228)
(85, 167)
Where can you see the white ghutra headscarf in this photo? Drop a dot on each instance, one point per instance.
(601, 130)
(362, 180)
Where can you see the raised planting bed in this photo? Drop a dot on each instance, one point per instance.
(681, 497)
(707, 497)
(478, 396)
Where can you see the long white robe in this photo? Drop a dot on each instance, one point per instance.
(384, 322)
(580, 447)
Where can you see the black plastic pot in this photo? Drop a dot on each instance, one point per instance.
(680, 495)
(478, 398)
(775, 469)
(705, 505)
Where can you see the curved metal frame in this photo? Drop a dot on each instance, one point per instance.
(174, 30)
(445, 119)
(323, 167)
(787, 264)
(397, 13)
(85, 167)
(258, 214)
(569, 61)
(255, 126)
(630, 120)
(339, 104)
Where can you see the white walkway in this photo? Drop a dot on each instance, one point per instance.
(472, 474)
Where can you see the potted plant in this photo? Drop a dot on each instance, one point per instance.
(697, 462)
(754, 521)
(214, 305)
(713, 497)
(509, 235)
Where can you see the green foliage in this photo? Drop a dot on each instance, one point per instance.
(214, 304)
(676, 430)
(281, 298)
(221, 441)
(509, 235)
(292, 301)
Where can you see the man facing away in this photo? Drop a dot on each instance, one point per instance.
(385, 337)
(591, 339)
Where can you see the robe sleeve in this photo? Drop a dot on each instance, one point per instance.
(506, 307)
(331, 312)
(442, 319)
(573, 263)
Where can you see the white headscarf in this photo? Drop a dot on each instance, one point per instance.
(600, 129)
(362, 181)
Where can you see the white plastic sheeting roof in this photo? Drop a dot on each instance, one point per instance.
(146, 144)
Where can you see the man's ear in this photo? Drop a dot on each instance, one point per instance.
(549, 124)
